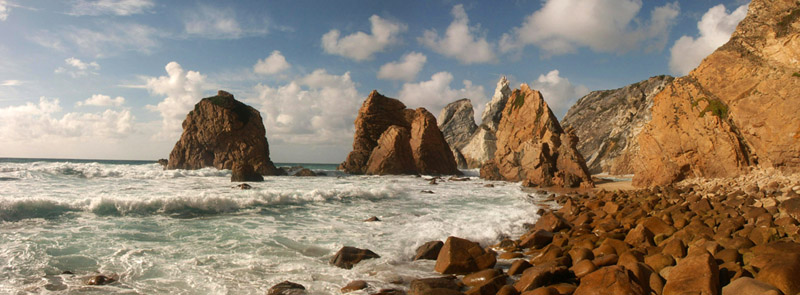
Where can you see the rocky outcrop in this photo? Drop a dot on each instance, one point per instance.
(457, 124)
(608, 122)
(219, 132)
(493, 112)
(387, 134)
(737, 109)
(532, 147)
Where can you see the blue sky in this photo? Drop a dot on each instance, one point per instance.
(113, 79)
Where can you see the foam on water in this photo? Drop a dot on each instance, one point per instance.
(190, 232)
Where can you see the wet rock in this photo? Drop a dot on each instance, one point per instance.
(583, 268)
(541, 275)
(507, 290)
(243, 186)
(244, 172)
(99, 280)
(347, 257)
(537, 239)
(551, 222)
(490, 287)
(390, 292)
(354, 286)
(287, 288)
(480, 277)
(305, 172)
(426, 191)
(518, 266)
(163, 162)
(609, 280)
(696, 273)
(429, 250)
(460, 256)
(372, 219)
(428, 285)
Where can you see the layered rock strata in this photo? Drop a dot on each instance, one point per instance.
(391, 139)
(220, 132)
(532, 147)
(608, 122)
(736, 110)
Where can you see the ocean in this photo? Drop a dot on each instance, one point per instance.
(190, 232)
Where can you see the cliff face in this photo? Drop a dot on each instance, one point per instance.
(738, 108)
(411, 133)
(532, 147)
(219, 132)
(608, 122)
(457, 126)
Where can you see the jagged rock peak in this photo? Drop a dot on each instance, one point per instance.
(219, 132)
(493, 112)
(457, 123)
(608, 122)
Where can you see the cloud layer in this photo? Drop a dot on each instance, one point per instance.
(460, 41)
(102, 100)
(564, 26)
(39, 121)
(559, 93)
(4, 10)
(436, 93)
(716, 27)
(406, 69)
(76, 68)
(113, 7)
(361, 46)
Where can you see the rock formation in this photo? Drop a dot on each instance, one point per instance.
(219, 132)
(532, 147)
(737, 109)
(474, 145)
(387, 134)
(608, 122)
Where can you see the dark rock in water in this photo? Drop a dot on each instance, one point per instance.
(453, 178)
(245, 172)
(371, 219)
(220, 132)
(354, 286)
(287, 288)
(100, 280)
(488, 185)
(426, 191)
(389, 292)
(433, 181)
(67, 272)
(347, 257)
(433, 285)
(305, 172)
(8, 178)
(429, 250)
(243, 186)
(163, 162)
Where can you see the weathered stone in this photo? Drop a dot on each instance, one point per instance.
(480, 277)
(583, 268)
(540, 275)
(696, 273)
(347, 257)
(507, 290)
(305, 172)
(460, 256)
(537, 239)
(551, 222)
(518, 266)
(432, 154)
(393, 154)
(429, 250)
(354, 286)
(425, 286)
(457, 123)
(749, 286)
(287, 288)
(609, 280)
(242, 172)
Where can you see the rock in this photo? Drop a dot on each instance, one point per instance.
(220, 132)
(429, 250)
(608, 280)
(544, 155)
(243, 186)
(244, 172)
(480, 277)
(426, 191)
(372, 219)
(287, 288)
(731, 112)
(427, 285)
(457, 124)
(537, 239)
(480, 148)
(518, 266)
(778, 264)
(409, 130)
(608, 122)
(347, 257)
(507, 290)
(489, 287)
(583, 268)
(792, 208)
(390, 292)
(551, 222)
(354, 286)
(163, 162)
(99, 280)
(493, 113)
(697, 273)
(542, 291)
(749, 286)
(460, 256)
(541, 275)
(305, 172)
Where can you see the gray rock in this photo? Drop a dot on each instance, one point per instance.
(494, 109)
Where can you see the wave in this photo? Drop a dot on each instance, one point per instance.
(205, 204)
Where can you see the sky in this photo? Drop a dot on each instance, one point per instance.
(114, 79)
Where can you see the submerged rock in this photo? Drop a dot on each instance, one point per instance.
(347, 257)
(287, 288)
(305, 172)
(99, 280)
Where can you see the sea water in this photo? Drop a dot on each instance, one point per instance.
(191, 232)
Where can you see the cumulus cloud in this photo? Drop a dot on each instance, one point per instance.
(460, 41)
(112, 7)
(102, 100)
(183, 89)
(716, 27)
(318, 108)
(361, 46)
(435, 93)
(76, 68)
(558, 92)
(4, 10)
(563, 26)
(273, 64)
(40, 121)
(405, 69)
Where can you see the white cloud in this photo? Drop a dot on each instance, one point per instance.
(563, 26)
(11, 83)
(77, 68)
(113, 7)
(318, 108)
(273, 64)
(40, 121)
(183, 89)
(4, 10)
(460, 41)
(406, 69)
(435, 93)
(361, 46)
(219, 23)
(102, 100)
(716, 27)
(558, 92)
(108, 40)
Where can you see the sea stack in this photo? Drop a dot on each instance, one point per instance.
(391, 139)
(220, 132)
(532, 147)
(738, 109)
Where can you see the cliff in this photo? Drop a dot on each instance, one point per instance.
(736, 110)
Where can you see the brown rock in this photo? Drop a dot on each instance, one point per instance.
(791, 207)
(779, 266)
(608, 280)
(540, 275)
(287, 288)
(347, 257)
(100, 280)
(220, 132)
(697, 273)
(305, 172)
(551, 222)
(537, 239)
(507, 290)
(460, 256)
(605, 260)
(728, 113)
(480, 277)
(354, 286)
(390, 292)
(659, 261)
(578, 254)
(432, 154)
(543, 155)
(429, 250)
(518, 266)
(242, 172)
(541, 291)
(393, 153)
(490, 287)
(749, 286)
(425, 286)
(583, 268)
(675, 248)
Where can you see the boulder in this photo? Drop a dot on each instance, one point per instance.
(612, 280)
(460, 256)
(242, 172)
(543, 155)
(778, 264)
(305, 172)
(428, 285)
(347, 257)
(749, 286)
(220, 132)
(287, 288)
(354, 286)
(697, 273)
(541, 275)
(429, 250)
(393, 154)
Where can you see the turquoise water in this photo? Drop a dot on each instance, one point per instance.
(190, 232)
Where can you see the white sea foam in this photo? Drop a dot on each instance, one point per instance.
(190, 232)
